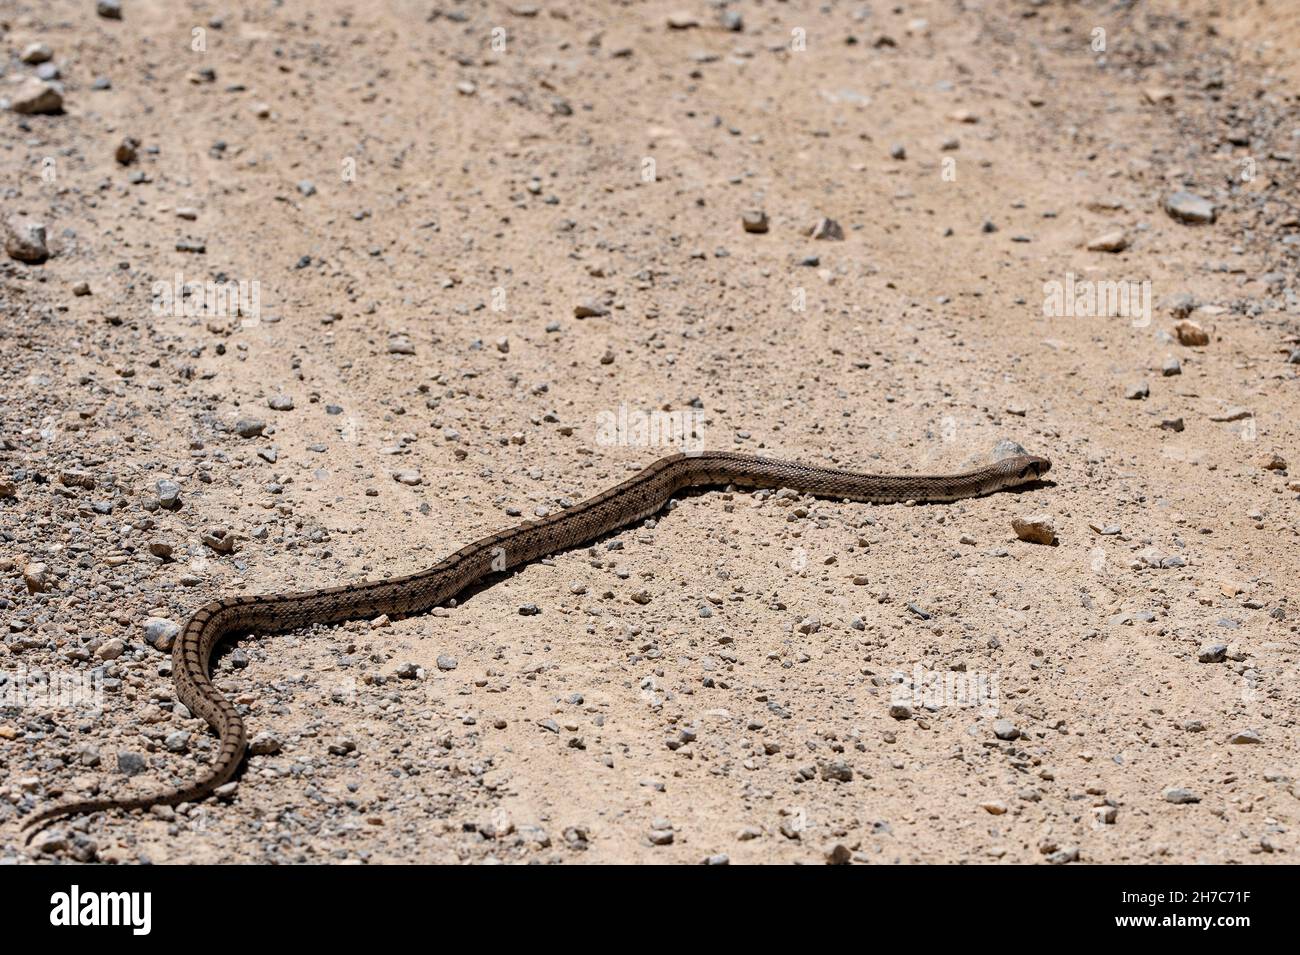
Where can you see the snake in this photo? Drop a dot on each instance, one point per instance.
(640, 496)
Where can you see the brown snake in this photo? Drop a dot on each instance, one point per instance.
(636, 498)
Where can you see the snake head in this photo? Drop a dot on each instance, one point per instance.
(1027, 467)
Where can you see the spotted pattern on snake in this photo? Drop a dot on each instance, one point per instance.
(636, 498)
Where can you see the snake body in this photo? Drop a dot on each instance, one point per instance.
(638, 497)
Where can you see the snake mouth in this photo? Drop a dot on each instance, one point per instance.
(1035, 469)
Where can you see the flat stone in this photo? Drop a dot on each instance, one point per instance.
(1115, 241)
(1188, 207)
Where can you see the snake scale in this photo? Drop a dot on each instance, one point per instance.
(634, 499)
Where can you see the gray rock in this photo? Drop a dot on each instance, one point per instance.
(446, 662)
(1187, 207)
(1006, 448)
(826, 229)
(837, 770)
(1180, 796)
(280, 403)
(1005, 729)
(1212, 653)
(755, 221)
(169, 495)
(160, 633)
(249, 427)
(130, 763)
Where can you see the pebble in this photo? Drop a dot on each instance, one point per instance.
(446, 663)
(1005, 729)
(836, 770)
(1038, 529)
(1115, 241)
(35, 53)
(264, 744)
(1212, 652)
(826, 229)
(400, 345)
(280, 403)
(169, 495)
(1171, 367)
(1191, 334)
(249, 427)
(1188, 207)
(1137, 391)
(589, 310)
(755, 221)
(37, 578)
(681, 20)
(34, 97)
(25, 240)
(1235, 413)
(160, 633)
(1273, 462)
(1179, 795)
(130, 763)
(126, 151)
(1245, 736)
(111, 649)
(109, 9)
(409, 478)
(838, 854)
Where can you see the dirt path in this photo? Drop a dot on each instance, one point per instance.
(480, 246)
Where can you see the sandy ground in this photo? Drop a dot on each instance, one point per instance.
(474, 235)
